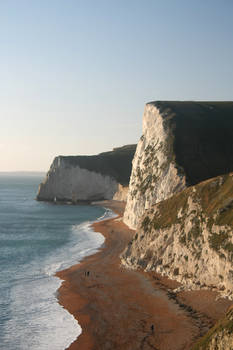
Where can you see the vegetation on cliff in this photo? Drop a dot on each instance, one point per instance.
(188, 237)
(220, 336)
(75, 179)
(183, 144)
(202, 133)
(180, 201)
(116, 163)
(214, 196)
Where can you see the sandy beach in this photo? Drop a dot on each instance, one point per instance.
(130, 310)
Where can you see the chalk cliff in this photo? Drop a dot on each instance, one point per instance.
(183, 143)
(88, 178)
(121, 193)
(220, 337)
(180, 201)
(188, 237)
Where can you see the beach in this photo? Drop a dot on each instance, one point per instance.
(129, 310)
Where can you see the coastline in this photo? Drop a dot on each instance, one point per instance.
(125, 309)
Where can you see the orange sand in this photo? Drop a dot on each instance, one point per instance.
(116, 308)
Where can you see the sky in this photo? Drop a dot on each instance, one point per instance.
(75, 75)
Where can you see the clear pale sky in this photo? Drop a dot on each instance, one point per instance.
(75, 75)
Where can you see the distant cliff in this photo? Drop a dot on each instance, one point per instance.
(183, 143)
(188, 237)
(88, 178)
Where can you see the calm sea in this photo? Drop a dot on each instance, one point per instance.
(36, 240)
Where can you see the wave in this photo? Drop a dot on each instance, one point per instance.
(84, 241)
(37, 321)
(108, 214)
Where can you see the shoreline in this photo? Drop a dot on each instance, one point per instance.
(129, 310)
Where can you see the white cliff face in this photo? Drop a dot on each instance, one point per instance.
(220, 337)
(72, 183)
(178, 238)
(154, 174)
(121, 194)
(222, 340)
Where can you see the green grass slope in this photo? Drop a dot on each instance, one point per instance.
(188, 237)
(218, 337)
(215, 197)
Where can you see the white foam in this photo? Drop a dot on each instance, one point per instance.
(53, 268)
(107, 215)
(37, 320)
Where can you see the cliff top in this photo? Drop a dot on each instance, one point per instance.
(115, 163)
(182, 106)
(201, 136)
(214, 195)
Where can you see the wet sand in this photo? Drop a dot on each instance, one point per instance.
(129, 310)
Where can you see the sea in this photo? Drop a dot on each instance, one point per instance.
(37, 239)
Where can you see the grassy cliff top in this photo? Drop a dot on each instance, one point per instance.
(215, 200)
(201, 135)
(116, 163)
(213, 195)
(182, 106)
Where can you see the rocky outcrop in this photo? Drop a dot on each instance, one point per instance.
(88, 178)
(121, 193)
(188, 237)
(183, 143)
(220, 337)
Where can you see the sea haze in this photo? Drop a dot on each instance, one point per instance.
(36, 240)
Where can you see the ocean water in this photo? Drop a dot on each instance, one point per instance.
(36, 240)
